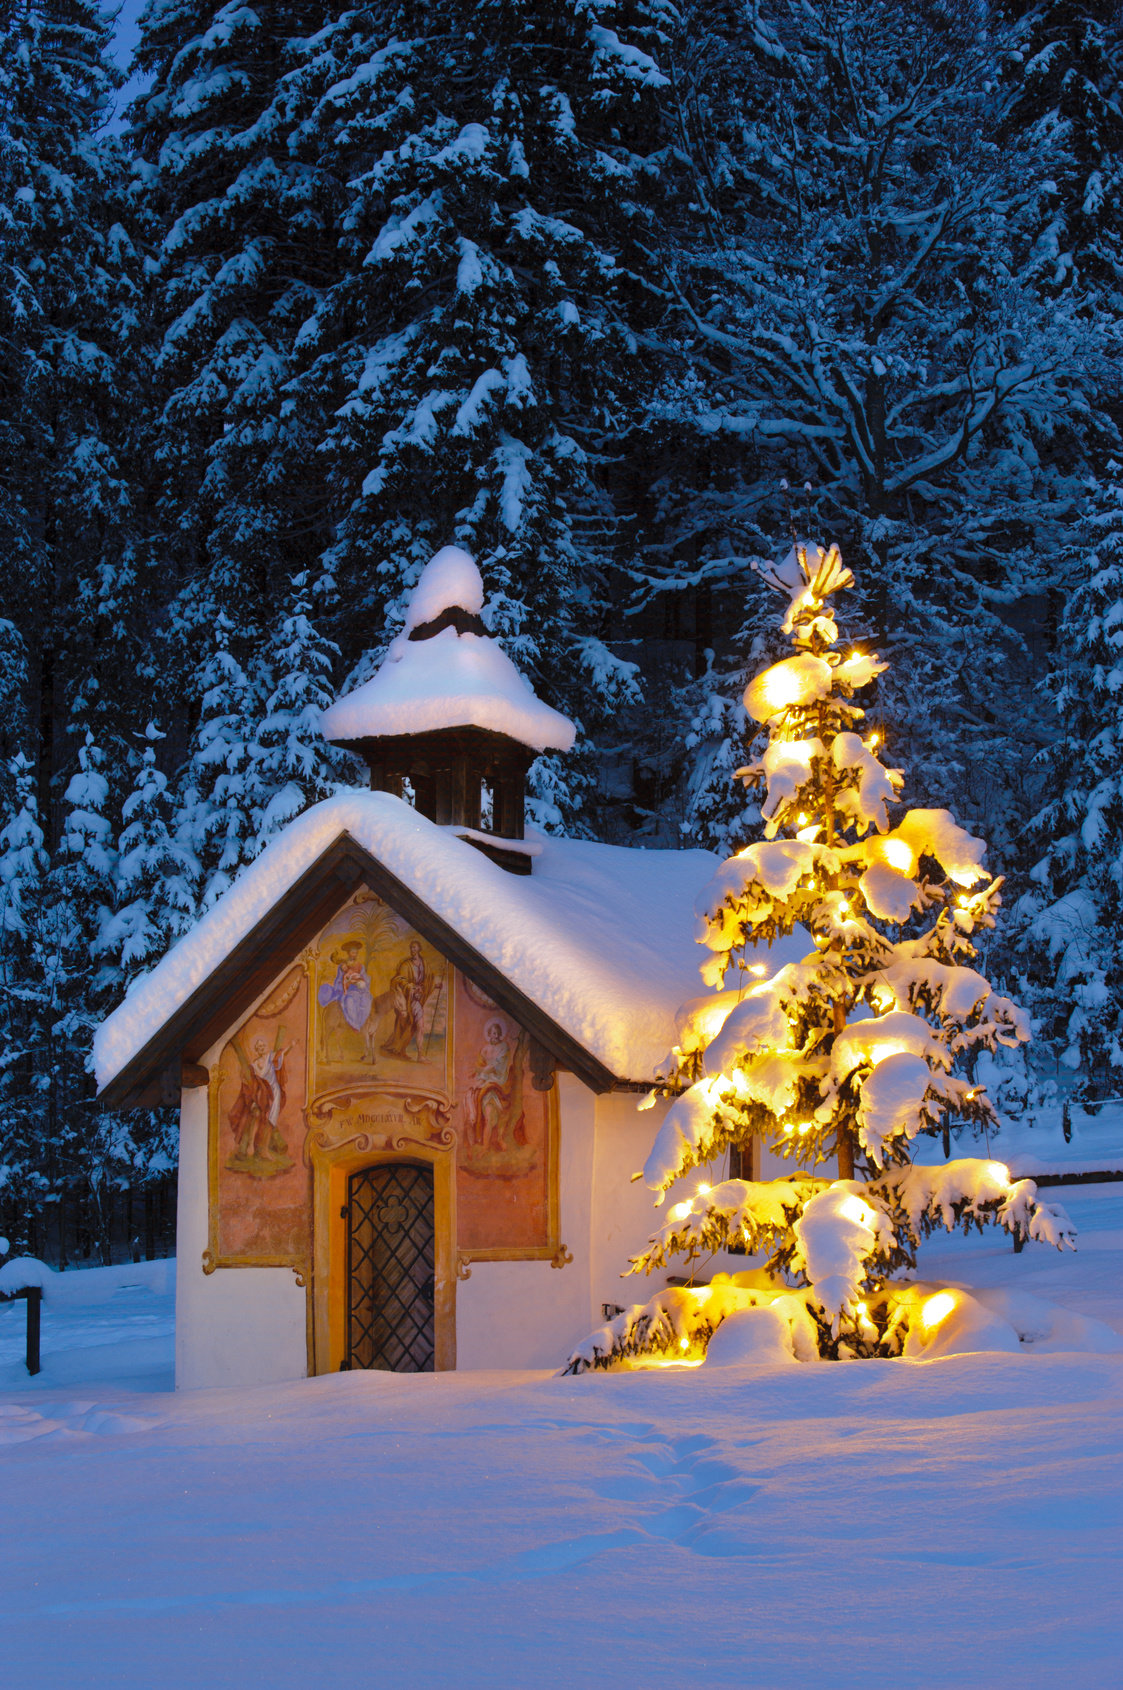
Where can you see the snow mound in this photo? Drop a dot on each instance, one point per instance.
(449, 581)
(23, 1273)
(450, 681)
(599, 936)
(1045, 1328)
(21, 1425)
(969, 1328)
(955, 1321)
(761, 1336)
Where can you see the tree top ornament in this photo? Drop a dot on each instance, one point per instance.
(850, 1055)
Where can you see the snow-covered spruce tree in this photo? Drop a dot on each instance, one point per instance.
(218, 798)
(240, 243)
(477, 363)
(292, 764)
(90, 1156)
(57, 1148)
(1066, 72)
(68, 285)
(1070, 918)
(156, 877)
(28, 1161)
(868, 300)
(257, 757)
(849, 1054)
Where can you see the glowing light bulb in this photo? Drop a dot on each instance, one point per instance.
(898, 855)
(853, 1209)
(963, 901)
(704, 1190)
(758, 968)
(874, 741)
(684, 1343)
(680, 1211)
(801, 821)
(999, 1173)
(936, 1309)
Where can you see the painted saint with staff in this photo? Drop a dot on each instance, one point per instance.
(412, 984)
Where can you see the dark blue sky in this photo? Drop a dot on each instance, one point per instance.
(125, 35)
(124, 41)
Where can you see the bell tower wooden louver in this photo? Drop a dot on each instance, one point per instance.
(448, 721)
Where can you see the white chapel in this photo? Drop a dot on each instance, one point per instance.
(409, 1042)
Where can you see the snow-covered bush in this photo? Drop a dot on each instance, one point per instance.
(848, 1055)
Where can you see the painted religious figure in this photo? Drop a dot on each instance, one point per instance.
(261, 1187)
(504, 1130)
(347, 1000)
(411, 987)
(259, 1144)
(382, 1017)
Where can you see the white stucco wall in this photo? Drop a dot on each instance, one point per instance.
(530, 1314)
(236, 1326)
(623, 1214)
(245, 1326)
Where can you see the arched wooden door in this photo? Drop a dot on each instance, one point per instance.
(390, 1262)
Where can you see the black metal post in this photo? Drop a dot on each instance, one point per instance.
(34, 1299)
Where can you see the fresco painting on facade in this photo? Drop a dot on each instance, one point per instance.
(506, 1194)
(382, 1005)
(260, 1184)
(376, 1037)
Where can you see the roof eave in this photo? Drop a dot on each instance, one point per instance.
(171, 1057)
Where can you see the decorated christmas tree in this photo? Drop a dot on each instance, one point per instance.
(848, 1056)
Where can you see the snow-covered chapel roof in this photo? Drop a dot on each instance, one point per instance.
(600, 938)
(450, 676)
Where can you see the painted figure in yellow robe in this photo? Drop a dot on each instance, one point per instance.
(411, 986)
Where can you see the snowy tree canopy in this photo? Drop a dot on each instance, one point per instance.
(859, 1049)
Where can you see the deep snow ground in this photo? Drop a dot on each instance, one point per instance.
(879, 1523)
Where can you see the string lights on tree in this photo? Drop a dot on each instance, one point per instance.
(848, 1056)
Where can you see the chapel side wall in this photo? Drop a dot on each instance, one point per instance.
(624, 1213)
(531, 1314)
(236, 1326)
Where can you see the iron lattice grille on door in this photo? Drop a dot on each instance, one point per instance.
(390, 1268)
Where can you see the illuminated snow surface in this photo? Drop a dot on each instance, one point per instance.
(724, 1527)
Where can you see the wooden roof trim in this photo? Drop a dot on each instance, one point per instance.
(311, 901)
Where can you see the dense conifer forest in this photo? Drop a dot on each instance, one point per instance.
(616, 294)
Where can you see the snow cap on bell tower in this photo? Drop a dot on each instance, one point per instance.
(447, 710)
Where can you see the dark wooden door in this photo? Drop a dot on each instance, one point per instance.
(390, 1268)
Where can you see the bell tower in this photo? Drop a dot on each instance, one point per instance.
(448, 720)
